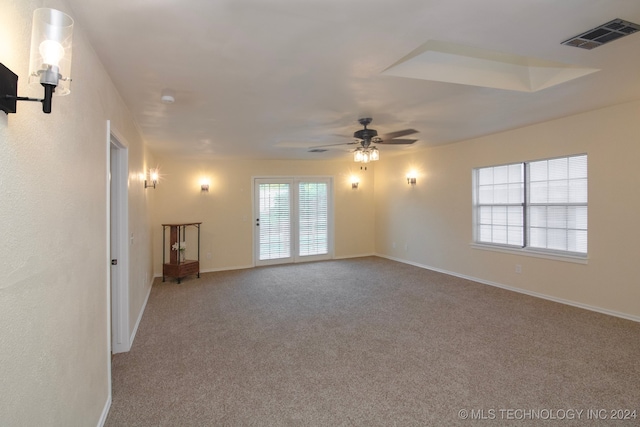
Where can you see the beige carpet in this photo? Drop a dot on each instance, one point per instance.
(370, 342)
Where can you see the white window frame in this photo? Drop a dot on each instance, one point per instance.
(525, 248)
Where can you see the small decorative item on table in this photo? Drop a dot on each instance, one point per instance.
(180, 246)
(178, 266)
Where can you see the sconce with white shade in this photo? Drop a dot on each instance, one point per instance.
(204, 185)
(153, 177)
(50, 61)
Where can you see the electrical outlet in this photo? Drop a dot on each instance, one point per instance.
(393, 245)
(518, 268)
(406, 247)
(208, 255)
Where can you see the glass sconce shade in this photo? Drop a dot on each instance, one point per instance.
(51, 42)
(153, 177)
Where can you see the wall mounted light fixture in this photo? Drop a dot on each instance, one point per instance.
(411, 178)
(354, 182)
(50, 61)
(153, 177)
(204, 187)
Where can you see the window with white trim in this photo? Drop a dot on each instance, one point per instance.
(539, 205)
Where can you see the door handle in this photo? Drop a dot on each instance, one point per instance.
(114, 262)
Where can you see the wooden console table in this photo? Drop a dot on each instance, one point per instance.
(177, 266)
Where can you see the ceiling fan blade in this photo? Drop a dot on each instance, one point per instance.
(397, 141)
(333, 145)
(398, 134)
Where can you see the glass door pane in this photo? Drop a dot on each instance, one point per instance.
(274, 220)
(313, 218)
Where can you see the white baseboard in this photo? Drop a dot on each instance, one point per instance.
(354, 256)
(144, 306)
(105, 412)
(237, 267)
(521, 291)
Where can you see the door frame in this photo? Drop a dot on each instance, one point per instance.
(293, 180)
(118, 226)
(256, 214)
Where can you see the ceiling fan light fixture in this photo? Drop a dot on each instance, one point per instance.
(375, 154)
(366, 155)
(364, 138)
(357, 155)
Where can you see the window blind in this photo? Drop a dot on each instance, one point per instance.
(540, 204)
(500, 205)
(313, 217)
(557, 205)
(275, 221)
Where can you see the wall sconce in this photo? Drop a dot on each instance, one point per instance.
(411, 178)
(153, 176)
(50, 61)
(204, 187)
(354, 182)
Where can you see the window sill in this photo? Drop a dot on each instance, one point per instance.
(532, 253)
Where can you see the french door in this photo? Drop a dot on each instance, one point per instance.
(293, 220)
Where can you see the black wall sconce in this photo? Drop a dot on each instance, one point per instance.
(153, 176)
(50, 62)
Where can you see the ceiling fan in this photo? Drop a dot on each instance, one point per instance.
(365, 137)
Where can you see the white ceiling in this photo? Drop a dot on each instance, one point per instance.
(270, 78)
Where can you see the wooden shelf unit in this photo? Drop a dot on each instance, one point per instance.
(176, 267)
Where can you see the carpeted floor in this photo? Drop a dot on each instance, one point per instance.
(370, 342)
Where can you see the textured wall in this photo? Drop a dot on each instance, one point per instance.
(434, 218)
(54, 293)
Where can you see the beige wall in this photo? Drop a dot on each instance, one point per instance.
(140, 229)
(434, 218)
(54, 294)
(226, 210)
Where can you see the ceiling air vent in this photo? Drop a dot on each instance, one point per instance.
(318, 150)
(603, 34)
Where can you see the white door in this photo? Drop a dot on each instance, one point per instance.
(119, 253)
(293, 220)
